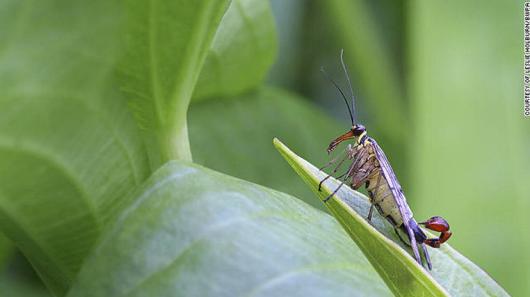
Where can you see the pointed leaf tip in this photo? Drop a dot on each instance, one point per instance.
(452, 273)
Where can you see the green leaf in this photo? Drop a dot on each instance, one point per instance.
(167, 43)
(233, 136)
(451, 273)
(70, 152)
(195, 232)
(242, 51)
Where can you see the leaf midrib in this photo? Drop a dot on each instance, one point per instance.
(154, 64)
(180, 96)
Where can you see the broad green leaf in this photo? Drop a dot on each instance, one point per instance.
(471, 141)
(195, 232)
(451, 273)
(166, 46)
(233, 137)
(56, 194)
(242, 51)
(69, 149)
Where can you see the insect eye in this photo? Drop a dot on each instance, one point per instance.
(358, 130)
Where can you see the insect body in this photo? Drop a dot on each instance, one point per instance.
(370, 167)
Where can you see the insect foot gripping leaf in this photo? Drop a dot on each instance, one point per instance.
(452, 273)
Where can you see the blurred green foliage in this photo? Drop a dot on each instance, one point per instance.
(241, 129)
(437, 83)
(471, 141)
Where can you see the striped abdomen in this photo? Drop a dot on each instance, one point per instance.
(383, 200)
(381, 194)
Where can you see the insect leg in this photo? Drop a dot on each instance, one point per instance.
(322, 181)
(348, 174)
(424, 249)
(331, 162)
(349, 151)
(334, 192)
(340, 176)
(338, 188)
(372, 195)
(427, 257)
(369, 218)
(354, 167)
(401, 238)
(349, 154)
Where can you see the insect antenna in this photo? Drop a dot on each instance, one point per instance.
(341, 92)
(345, 69)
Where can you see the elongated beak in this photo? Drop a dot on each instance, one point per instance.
(338, 140)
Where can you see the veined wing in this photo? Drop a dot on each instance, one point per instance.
(391, 178)
(399, 197)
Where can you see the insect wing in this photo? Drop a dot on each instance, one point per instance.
(395, 187)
